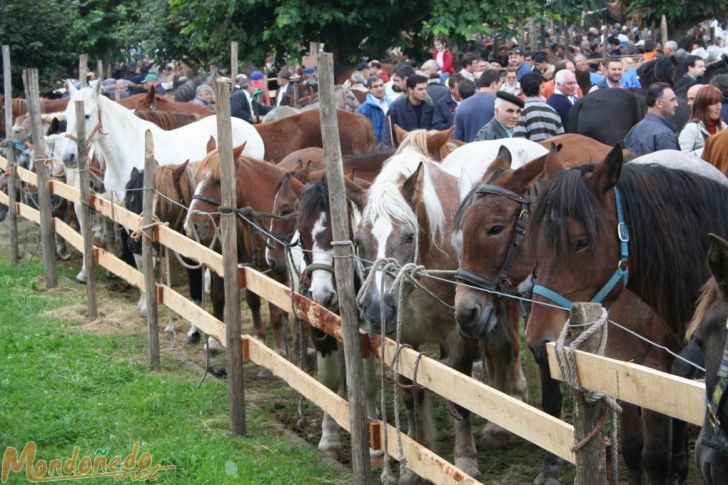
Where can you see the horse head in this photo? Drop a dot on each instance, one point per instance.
(283, 222)
(709, 332)
(490, 227)
(92, 124)
(575, 235)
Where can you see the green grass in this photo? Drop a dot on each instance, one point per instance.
(62, 386)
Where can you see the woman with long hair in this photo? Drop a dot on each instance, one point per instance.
(704, 121)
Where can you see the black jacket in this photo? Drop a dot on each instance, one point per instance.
(402, 113)
(240, 108)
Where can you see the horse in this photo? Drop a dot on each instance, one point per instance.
(708, 330)
(280, 112)
(303, 130)
(495, 255)
(660, 246)
(256, 182)
(471, 160)
(407, 218)
(680, 160)
(168, 120)
(578, 149)
(151, 101)
(437, 144)
(313, 155)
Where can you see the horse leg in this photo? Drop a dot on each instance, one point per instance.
(656, 448)
(464, 354)
(504, 370)
(632, 441)
(278, 323)
(194, 279)
(217, 296)
(678, 470)
(81, 276)
(551, 401)
(330, 373)
(258, 328)
(418, 404)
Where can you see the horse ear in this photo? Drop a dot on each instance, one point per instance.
(303, 172)
(553, 163)
(211, 144)
(435, 141)
(502, 161)
(179, 171)
(524, 177)
(55, 126)
(238, 150)
(718, 260)
(606, 174)
(401, 134)
(97, 89)
(149, 98)
(465, 185)
(71, 87)
(356, 193)
(414, 185)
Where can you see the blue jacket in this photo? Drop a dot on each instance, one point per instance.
(522, 70)
(376, 116)
(444, 115)
(473, 114)
(561, 104)
(651, 134)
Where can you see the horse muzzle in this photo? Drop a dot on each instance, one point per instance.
(370, 313)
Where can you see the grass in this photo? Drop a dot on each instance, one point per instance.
(62, 386)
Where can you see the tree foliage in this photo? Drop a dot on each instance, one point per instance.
(680, 14)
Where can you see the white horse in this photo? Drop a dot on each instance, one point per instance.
(472, 159)
(118, 137)
(679, 160)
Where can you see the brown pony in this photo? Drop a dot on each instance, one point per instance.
(303, 130)
(579, 149)
(256, 182)
(495, 255)
(152, 101)
(294, 160)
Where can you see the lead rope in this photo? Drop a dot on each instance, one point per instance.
(567, 365)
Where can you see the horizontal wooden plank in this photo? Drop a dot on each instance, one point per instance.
(3, 162)
(29, 213)
(116, 212)
(421, 460)
(189, 248)
(678, 397)
(4, 198)
(27, 176)
(132, 275)
(519, 418)
(69, 234)
(191, 312)
(71, 194)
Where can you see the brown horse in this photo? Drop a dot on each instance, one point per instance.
(708, 330)
(579, 149)
(660, 238)
(152, 101)
(168, 120)
(256, 182)
(313, 155)
(408, 218)
(495, 255)
(303, 130)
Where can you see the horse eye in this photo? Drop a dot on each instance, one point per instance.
(495, 230)
(582, 244)
(88, 117)
(410, 238)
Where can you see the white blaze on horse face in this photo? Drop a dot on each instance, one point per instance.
(322, 283)
(381, 230)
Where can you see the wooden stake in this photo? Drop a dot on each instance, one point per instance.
(344, 272)
(82, 70)
(12, 211)
(663, 30)
(87, 218)
(233, 63)
(148, 252)
(230, 260)
(591, 459)
(99, 70)
(30, 80)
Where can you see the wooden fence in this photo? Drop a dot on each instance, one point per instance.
(631, 383)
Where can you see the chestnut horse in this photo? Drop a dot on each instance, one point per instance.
(289, 134)
(408, 218)
(579, 149)
(708, 329)
(495, 255)
(649, 222)
(256, 182)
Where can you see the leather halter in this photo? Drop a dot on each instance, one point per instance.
(209, 200)
(620, 274)
(474, 278)
(714, 402)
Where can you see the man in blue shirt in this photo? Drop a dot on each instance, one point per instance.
(375, 108)
(654, 132)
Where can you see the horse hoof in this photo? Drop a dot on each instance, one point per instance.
(64, 255)
(266, 374)
(408, 477)
(376, 459)
(468, 465)
(81, 278)
(331, 452)
(193, 338)
(494, 437)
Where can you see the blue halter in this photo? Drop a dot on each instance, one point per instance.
(622, 272)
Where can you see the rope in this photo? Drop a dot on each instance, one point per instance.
(567, 365)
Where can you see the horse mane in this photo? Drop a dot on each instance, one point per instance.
(666, 210)
(708, 295)
(416, 139)
(179, 190)
(314, 198)
(367, 156)
(385, 199)
(167, 120)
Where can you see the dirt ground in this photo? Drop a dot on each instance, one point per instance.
(517, 462)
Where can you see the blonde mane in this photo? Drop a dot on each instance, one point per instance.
(385, 199)
(708, 295)
(179, 189)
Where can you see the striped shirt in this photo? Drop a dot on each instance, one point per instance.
(538, 121)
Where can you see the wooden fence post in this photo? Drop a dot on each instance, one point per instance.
(82, 70)
(99, 70)
(234, 347)
(86, 211)
(150, 284)
(591, 458)
(233, 63)
(12, 208)
(30, 79)
(344, 272)
(663, 30)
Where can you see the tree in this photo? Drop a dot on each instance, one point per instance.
(680, 14)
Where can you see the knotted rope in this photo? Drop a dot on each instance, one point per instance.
(567, 365)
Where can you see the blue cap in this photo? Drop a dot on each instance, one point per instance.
(256, 75)
(309, 70)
